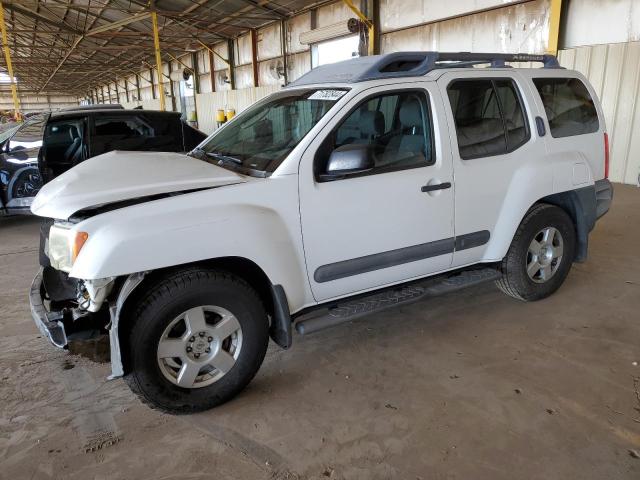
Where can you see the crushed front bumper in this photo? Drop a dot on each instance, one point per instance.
(49, 323)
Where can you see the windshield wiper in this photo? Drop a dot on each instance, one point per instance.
(217, 156)
(223, 157)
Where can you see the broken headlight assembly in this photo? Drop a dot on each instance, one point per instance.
(64, 245)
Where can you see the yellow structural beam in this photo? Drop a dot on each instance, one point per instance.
(156, 45)
(7, 58)
(367, 22)
(555, 11)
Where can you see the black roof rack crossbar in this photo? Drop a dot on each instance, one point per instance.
(497, 59)
(412, 64)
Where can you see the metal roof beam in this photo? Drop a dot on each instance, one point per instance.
(43, 18)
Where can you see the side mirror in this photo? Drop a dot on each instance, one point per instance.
(348, 160)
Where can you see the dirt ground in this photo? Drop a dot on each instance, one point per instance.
(473, 385)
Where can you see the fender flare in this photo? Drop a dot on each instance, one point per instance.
(130, 284)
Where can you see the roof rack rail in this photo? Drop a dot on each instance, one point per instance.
(412, 64)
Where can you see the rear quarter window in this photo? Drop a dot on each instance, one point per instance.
(568, 105)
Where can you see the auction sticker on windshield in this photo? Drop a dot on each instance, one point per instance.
(329, 95)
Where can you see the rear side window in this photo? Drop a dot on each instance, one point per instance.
(569, 107)
(489, 117)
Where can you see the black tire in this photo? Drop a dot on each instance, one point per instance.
(166, 299)
(515, 281)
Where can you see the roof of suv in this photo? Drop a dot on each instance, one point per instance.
(411, 64)
(110, 112)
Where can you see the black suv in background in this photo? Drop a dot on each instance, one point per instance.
(47, 145)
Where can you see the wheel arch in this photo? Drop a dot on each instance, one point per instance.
(249, 271)
(580, 205)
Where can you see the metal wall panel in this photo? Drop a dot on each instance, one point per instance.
(269, 39)
(414, 12)
(522, 28)
(267, 74)
(243, 50)
(222, 50)
(295, 26)
(614, 72)
(298, 65)
(334, 13)
(38, 103)
(209, 103)
(592, 22)
(244, 76)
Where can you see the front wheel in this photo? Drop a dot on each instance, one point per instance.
(540, 255)
(198, 339)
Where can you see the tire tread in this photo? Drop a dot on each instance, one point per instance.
(177, 280)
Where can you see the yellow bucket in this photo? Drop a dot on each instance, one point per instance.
(220, 117)
(231, 113)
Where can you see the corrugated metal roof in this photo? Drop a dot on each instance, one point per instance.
(71, 46)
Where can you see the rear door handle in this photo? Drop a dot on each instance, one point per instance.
(540, 126)
(437, 186)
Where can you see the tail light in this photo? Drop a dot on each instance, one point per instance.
(606, 155)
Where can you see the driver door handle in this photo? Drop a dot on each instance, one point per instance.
(438, 186)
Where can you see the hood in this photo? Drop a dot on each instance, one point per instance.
(118, 176)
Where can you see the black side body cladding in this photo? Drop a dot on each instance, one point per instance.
(280, 330)
(585, 205)
(392, 258)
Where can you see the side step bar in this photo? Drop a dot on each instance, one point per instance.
(401, 295)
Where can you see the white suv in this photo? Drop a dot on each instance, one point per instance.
(362, 185)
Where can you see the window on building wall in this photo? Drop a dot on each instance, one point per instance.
(335, 50)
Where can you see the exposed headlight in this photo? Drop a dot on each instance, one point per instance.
(64, 246)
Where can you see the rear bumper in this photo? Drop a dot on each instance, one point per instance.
(604, 196)
(49, 323)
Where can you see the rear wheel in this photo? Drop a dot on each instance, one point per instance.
(540, 255)
(199, 338)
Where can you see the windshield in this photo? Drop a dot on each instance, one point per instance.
(261, 137)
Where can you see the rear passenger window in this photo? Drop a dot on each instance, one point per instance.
(569, 107)
(489, 117)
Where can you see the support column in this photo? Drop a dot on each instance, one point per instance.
(254, 55)
(211, 69)
(138, 87)
(7, 58)
(283, 48)
(153, 88)
(171, 89)
(156, 45)
(371, 30)
(232, 62)
(555, 11)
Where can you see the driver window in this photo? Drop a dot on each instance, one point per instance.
(396, 126)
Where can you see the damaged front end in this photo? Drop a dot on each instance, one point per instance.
(72, 313)
(67, 309)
